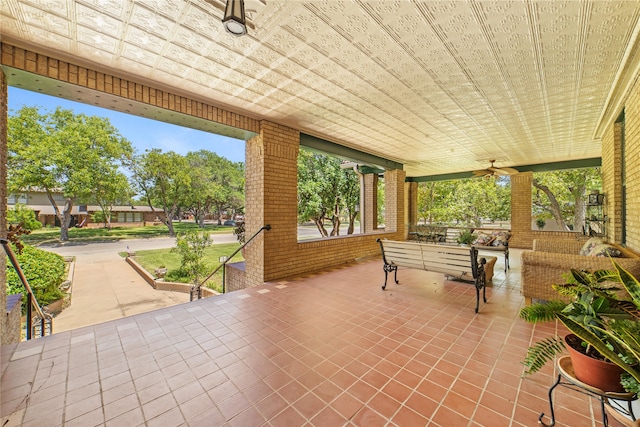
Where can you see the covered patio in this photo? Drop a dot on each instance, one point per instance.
(326, 349)
(412, 90)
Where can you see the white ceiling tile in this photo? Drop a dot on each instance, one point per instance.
(440, 86)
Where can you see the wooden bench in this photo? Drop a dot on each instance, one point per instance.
(454, 261)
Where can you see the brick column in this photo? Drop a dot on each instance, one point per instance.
(3, 204)
(369, 215)
(521, 210)
(411, 204)
(394, 202)
(271, 198)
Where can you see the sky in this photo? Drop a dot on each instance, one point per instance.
(141, 132)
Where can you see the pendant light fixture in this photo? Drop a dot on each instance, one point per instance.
(234, 19)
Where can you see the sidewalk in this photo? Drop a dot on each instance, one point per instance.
(106, 288)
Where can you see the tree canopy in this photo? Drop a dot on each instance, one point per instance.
(163, 179)
(326, 192)
(466, 202)
(75, 154)
(217, 185)
(561, 195)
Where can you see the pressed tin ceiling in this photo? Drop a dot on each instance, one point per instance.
(440, 86)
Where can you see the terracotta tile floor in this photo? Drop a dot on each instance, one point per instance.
(329, 349)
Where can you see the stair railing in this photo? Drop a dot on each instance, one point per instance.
(196, 289)
(45, 319)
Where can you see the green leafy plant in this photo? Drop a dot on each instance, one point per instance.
(24, 216)
(607, 323)
(466, 237)
(540, 222)
(45, 271)
(191, 247)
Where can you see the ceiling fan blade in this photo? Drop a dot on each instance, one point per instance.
(503, 171)
(481, 172)
(511, 171)
(500, 171)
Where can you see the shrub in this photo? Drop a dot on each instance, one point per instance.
(45, 271)
(21, 214)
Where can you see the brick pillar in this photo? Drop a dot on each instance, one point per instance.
(521, 210)
(271, 188)
(3, 204)
(369, 215)
(411, 204)
(394, 202)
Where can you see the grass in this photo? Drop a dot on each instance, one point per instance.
(156, 258)
(117, 233)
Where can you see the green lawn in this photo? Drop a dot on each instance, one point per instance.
(117, 233)
(156, 258)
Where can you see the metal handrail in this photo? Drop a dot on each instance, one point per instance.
(31, 299)
(196, 287)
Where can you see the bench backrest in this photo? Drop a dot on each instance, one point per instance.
(403, 254)
(455, 261)
(451, 260)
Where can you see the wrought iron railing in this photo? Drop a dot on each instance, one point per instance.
(196, 289)
(39, 318)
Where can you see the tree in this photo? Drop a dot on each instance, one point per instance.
(217, 185)
(325, 191)
(466, 201)
(350, 190)
(380, 207)
(164, 180)
(562, 195)
(110, 186)
(62, 152)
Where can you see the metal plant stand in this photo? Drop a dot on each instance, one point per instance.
(567, 378)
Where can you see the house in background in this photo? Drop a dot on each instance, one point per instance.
(82, 214)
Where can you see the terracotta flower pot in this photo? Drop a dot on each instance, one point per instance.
(602, 375)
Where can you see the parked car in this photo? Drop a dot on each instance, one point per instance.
(230, 222)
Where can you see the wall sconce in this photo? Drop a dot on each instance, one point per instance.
(234, 20)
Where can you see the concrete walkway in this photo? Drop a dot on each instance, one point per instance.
(106, 288)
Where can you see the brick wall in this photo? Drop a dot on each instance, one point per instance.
(26, 60)
(521, 210)
(271, 198)
(6, 334)
(235, 277)
(612, 182)
(632, 155)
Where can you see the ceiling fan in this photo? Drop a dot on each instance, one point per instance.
(493, 171)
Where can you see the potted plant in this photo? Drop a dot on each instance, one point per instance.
(466, 237)
(606, 324)
(540, 222)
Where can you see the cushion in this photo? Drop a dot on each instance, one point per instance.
(589, 245)
(604, 249)
(501, 238)
(483, 240)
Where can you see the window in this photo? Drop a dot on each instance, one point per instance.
(129, 216)
(13, 199)
(328, 196)
(559, 198)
